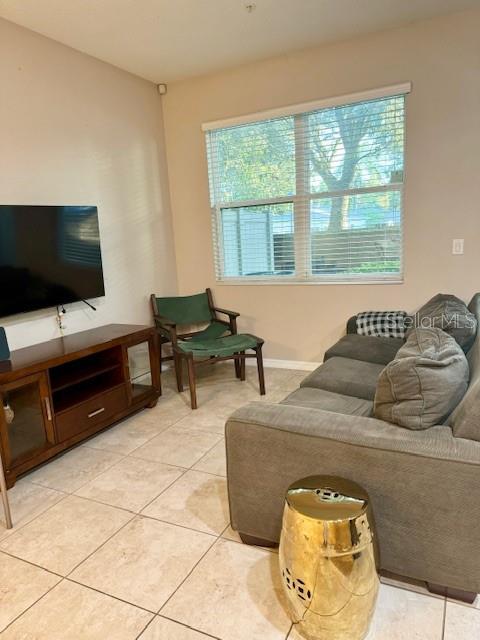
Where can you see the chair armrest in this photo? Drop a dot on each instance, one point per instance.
(232, 318)
(163, 321)
(166, 327)
(232, 314)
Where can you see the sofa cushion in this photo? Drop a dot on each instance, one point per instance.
(451, 314)
(424, 383)
(366, 348)
(346, 376)
(465, 420)
(328, 401)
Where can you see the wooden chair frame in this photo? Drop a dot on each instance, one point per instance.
(168, 333)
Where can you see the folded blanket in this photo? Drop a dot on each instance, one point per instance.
(382, 324)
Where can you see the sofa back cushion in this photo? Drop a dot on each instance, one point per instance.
(465, 420)
(366, 348)
(451, 314)
(424, 383)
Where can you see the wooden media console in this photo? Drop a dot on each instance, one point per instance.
(57, 393)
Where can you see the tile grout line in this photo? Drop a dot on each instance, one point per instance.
(220, 438)
(134, 515)
(66, 494)
(20, 527)
(80, 498)
(32, 605)
(108, 429)
(122, 458)
(184, 471)
(145, 627)
(205, 633)
(217, 538)
(76, 495)
(175, 422)
(72, 493)
(206, 454)
(208, 473)
(137, 513)
(109, 595)
(32, 564)
(68, 577)
(185, 468)
(100, 546)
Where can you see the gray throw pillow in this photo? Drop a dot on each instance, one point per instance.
(450, 314)
(424, 383)
(465, 420)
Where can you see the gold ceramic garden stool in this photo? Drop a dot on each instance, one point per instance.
(329, 558)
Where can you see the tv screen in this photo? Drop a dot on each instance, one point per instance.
(49, 256)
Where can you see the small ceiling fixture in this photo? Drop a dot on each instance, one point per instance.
(250, 7)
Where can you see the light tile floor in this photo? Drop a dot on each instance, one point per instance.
(127, 537)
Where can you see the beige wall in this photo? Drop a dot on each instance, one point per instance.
(442, 59)
(74, 130)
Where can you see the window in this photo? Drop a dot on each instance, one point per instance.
(310, 196)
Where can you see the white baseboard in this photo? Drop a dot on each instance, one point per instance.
(285, 364)
(270, 362)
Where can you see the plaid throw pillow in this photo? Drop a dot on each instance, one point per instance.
(382, 324)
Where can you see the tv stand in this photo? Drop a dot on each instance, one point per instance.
(57, 393)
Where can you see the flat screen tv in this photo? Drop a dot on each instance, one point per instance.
(49, 256)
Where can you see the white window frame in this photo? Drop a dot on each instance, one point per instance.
(301, 200)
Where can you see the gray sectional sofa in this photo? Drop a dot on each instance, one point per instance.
(424, 485)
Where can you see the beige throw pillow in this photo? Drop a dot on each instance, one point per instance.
(424, 383)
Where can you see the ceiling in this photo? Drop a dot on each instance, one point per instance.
(167, 40)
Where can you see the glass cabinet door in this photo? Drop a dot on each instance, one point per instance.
(140, 369)
(26, 423)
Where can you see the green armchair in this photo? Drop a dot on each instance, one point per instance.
(216, 342)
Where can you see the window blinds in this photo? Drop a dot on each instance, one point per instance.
(310, 196)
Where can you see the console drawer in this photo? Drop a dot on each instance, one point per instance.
(91, 412)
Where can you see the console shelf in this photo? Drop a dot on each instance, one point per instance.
(77, 377)
(77, 394)
(61, 392)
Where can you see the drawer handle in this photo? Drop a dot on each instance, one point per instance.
(95, 413)
(48, 409)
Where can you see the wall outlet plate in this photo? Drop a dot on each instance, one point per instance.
(457, 246)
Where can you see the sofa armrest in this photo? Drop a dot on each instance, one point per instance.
(437, 442)
(352, 324)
